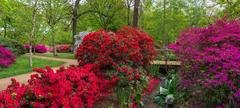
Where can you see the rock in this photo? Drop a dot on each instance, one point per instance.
(78, 40)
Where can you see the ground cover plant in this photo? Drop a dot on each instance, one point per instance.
(210, 58)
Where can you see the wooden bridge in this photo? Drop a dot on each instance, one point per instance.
(165, 66)
(173, 63)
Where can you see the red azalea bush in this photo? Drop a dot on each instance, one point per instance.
(63, 48)
(211, 60)
(73, 87)
(116, 60)
(127, 45)
(121, 55)
(144, 41)
(6, 57)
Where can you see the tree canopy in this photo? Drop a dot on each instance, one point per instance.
(61, 19)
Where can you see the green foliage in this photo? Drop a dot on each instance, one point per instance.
(103, 14)
(167, 56)
(179, 14)
(231, 7)
(63, 37)
(55, 19)
(154, 69)
(168, 94)
(13, 45)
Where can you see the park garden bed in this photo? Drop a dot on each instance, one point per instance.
(115, 70)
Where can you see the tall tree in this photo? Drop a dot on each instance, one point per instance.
(109, 14)
(75, 16)
(34, 13)
(231, 7)
(54, 12)
(136, 13)
(129, 3)
(5, 15)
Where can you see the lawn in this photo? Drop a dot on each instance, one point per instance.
(59, 55)
(21, 66)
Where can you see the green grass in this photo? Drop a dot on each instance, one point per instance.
(21, 66)
(59, 55)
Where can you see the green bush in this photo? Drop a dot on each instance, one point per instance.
(168, 94)
(13, 45)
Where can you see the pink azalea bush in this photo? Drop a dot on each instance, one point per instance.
(26, 46)
(40, 48)
(63, 48)
(6, 57)
(37, 48)
(74, 87)
(211, 63)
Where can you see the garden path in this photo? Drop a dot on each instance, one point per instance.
(25, 77)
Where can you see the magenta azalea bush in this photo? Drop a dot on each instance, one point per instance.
(37, 48)
(211, 63)
(26, 46)
(6, 57)
(40, 48)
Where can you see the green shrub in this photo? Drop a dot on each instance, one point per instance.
(13, 45)
(168, 94)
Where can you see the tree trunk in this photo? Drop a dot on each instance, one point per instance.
(164, 21)
(142, 15)
(135, 13)
(128, 14)
(74, 20)
(32, 32)
(53, 42)
(74, 29)
(128, 11)
(5, 29)
(30, 55)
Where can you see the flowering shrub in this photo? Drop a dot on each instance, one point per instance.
(37, 48)
(144, 41)
(62, 48)
(121, 56)
(72, 87)
(109, 49)
(211, 60)
(40, 48)
(153, 83)
(26, 46)
(6, 57)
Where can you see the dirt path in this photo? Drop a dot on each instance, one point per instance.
(23, 78)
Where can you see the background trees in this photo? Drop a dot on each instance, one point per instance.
(54, 11)
(58, 21)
